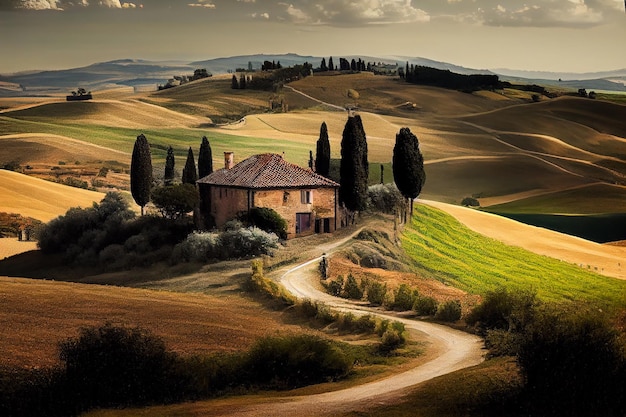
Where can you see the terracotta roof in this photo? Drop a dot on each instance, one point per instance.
(267, 171)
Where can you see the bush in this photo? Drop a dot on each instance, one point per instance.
(504, 310)
(175, 201)
(425, 306)
(335, 287)
(376, 293)
(351, 289)
(449, 311)
(404, 298)
(113, 366)
(573, 364)
(385, 198)
(198, 247)
(244, 243)
(269, 220)
(286, 362)
(470, 202)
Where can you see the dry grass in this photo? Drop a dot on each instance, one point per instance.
(42, 200)
(36, 315)
(10, 246)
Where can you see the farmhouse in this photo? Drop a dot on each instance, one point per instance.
(306, 200)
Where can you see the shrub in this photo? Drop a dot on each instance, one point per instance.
(335, 287)
(425, 306)
(385, 198)
(376, 293)
(404, 298)
(175, 201)
(199, 246)
(449, 311)
(241, 243)
(286, 362)
(470, 202)
(573, 364)
(351, 289)
(269, 220)
(117, 366)
(504, 310)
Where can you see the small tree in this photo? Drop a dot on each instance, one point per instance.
(408, 165)
(174, 201)
(141, 172)
(322, 154)
(234, 83)
(168, 177)
(190, 175)
(351, 289)
(205, 158)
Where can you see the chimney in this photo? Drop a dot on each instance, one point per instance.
(228, 159)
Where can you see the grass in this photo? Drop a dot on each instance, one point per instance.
(465, 259)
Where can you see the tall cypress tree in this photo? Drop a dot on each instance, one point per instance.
(141, 172)
(322, 154)
(234, 84)
(190, 175)
(331, 66)
(408, 165)
(354, 168)
(205, 158)
(168, 177)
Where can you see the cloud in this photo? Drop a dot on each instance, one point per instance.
(202, 3)
(551, 13)
(350, 13)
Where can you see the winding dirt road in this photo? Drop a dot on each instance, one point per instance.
(448, 350)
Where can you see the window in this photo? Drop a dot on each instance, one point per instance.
(303, 222)
(306, 196)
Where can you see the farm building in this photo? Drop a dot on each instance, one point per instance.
(306, 200)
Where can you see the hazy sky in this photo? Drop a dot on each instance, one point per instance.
(552, 35)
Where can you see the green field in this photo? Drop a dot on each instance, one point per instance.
(456, 255)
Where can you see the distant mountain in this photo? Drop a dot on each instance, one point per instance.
(135, 73)
(546, 75)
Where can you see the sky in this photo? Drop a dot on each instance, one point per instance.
(538, 35)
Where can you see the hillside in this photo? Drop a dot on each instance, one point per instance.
(42, 200)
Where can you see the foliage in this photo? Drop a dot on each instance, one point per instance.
(286, 362)
(141, 172)
(408, 165)
(385, 198)
(376, 292)
(470, 202)
(269, 220)
(322, 154)
(503, 309)
(573, 364)
(174, 201)
(351, 289)
(449, 311)
(404, 298)
(425, 306)
(447, 79)
(445, 249)
(205, 158)
(107, 235)
(229, 244)
(170, 162)
(190, 174)
(354, 168)
(116, 366)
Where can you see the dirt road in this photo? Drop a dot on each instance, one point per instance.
(448, 350)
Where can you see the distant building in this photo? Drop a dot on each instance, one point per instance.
(306, 200)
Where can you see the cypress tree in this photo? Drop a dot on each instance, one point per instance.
(141, 172)
(190, 175)
(331, 66)
(354, 168)
(168, 177)
(323, 66)
(408, 165)
(322, 154)
(242, 82)
(234, 83)
(205, 158)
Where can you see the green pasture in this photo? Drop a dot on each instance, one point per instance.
(445, 249)
(180, 139)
